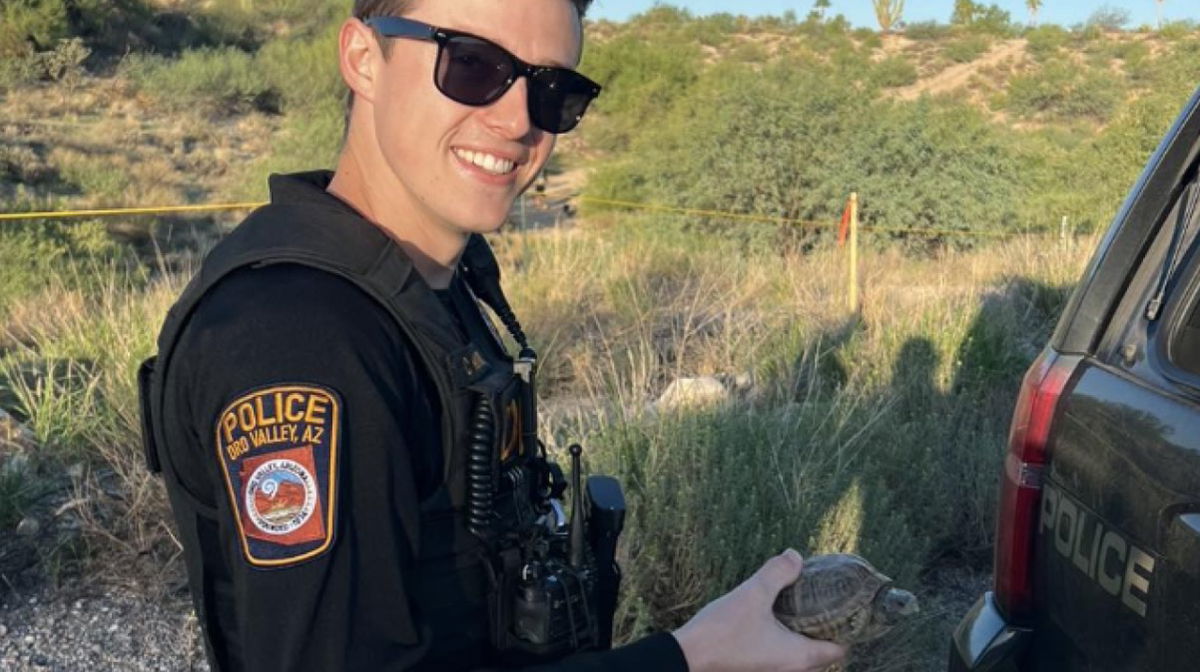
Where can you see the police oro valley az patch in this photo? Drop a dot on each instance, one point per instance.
(278, 450)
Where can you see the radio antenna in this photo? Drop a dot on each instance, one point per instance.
(575, 541)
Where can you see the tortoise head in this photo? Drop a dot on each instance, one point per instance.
(893, 605)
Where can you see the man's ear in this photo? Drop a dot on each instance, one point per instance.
(359, 58)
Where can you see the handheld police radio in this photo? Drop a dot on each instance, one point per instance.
(554, 583)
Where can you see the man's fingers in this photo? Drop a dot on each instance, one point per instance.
(778, 573)
(826, 653)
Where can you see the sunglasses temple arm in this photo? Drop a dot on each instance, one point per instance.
(394, 26)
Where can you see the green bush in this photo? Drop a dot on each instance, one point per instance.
(27, 26)
(226, 79)
(967, 48)
(790, 143)
(18, 71)
(894, 71)
(253, 22)
(303, 72)
(868, 39)
(35, 254)
(1176, 30)
(978, 17)
(1062, 91)
(713, 30)
(1108, 18)
(1046, 40)
(749, 51)
(927, 30)
(641, 79)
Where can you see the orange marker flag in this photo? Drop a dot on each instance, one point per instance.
(844, 229)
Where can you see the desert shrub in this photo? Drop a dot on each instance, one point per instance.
(712, 30)
(1108, 18)
(661, 17)
(255, 22)
(869, 39)
(36, 253)
(226, 79)
(967, 48)
(1046, 40)
(27, 26)
(749, 51)
(1086, 178)
(894, 71)
(1175, 30)
(22, 70)
(1131, 52)
(1062, 91)
(303, 71)
(927, 30)
(789, 143)
(107, 27)
(978, 17)
(94, 176)
(641, 79)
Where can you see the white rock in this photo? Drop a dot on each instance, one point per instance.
(693, 392)
(28, 526)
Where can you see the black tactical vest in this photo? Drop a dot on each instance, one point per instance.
(452, 586)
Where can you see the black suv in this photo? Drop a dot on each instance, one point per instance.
(1097, 563)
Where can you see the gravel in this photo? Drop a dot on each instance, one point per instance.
(75, 627)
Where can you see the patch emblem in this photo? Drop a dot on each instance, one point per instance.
(278, 451)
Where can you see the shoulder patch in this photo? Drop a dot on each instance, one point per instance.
(278, 449)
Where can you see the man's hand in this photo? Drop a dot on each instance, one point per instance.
(738, 631)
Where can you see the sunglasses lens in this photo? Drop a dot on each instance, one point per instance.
(558, 98)
(472, 71)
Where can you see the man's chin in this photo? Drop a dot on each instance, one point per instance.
(482, 226)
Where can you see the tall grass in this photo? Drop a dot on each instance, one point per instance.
(879, 433)
(68, 372)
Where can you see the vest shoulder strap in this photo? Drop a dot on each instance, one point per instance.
(335, 242)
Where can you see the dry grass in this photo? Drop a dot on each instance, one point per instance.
(878, 433)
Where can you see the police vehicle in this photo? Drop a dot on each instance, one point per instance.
(1097, 556)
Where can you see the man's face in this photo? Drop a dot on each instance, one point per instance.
(432, 145)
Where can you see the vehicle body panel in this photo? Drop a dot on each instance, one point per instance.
(1116, 561)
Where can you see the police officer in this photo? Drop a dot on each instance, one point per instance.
(308, 404)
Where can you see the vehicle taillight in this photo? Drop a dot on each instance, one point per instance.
(1021, 486)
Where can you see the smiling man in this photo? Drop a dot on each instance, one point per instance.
(349, 451)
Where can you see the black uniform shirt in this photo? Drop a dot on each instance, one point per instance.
(351, 607)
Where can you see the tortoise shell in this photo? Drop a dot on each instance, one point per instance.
(836, 598)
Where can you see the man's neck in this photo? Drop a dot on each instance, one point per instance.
(433, 250)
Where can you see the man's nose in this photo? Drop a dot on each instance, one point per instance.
(509, 115)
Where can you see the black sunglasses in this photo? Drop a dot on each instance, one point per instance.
(475, 71)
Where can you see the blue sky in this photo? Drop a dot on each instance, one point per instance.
(1065, 12)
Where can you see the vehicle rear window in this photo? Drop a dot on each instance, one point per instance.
(1182, 278)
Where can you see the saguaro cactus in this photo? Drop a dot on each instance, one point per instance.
(888, 13)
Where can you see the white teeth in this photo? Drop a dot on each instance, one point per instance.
(488, 162)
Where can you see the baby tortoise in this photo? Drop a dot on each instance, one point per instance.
(842, 598)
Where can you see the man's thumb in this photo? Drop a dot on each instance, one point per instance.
(779, 572)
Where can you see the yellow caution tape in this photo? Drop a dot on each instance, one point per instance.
(168, 209)
(785, 220)
(112, 212)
